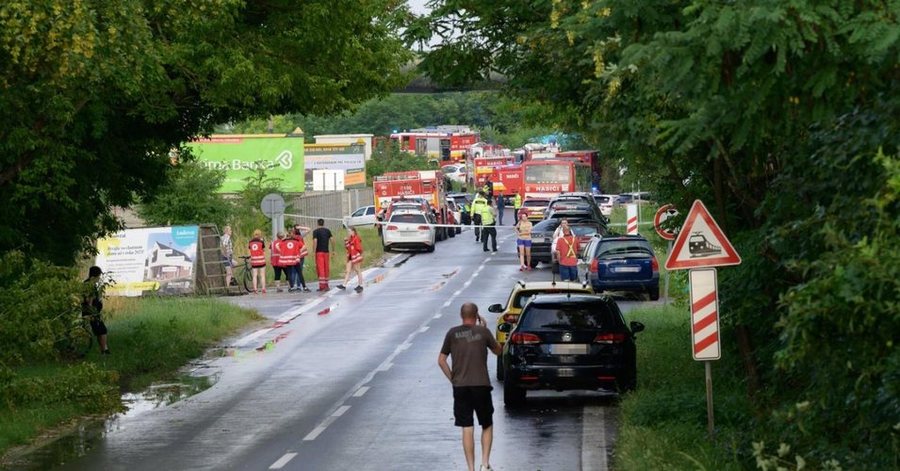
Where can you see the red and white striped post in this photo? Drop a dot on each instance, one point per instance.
(705, 328)
(631, 219)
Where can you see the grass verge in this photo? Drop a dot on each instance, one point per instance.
(151, 338)
(663, 423)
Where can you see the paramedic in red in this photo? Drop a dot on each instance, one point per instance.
(354, 247)
(323, 242)
(275, 257)
(257, 247)
(290, 256)
(297, 281)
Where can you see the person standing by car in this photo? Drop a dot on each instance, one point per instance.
(354, 248)
(567, 254)
(523, 242)
(92, 305)
(323, 242)
(275, 258)
(467, 346)
(488, 215)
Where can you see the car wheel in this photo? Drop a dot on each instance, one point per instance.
(499, 368)
(631, 382)
(513, 395)
(459, 230)
(387, 249)
(429, 249)
(451, 233)
(654, 293)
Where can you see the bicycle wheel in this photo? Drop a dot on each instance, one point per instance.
(246, 279)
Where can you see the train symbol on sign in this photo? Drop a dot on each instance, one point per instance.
(698, 246)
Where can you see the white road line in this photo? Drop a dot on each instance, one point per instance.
(448, 302)
(423, 329)
(404, 346)
(386, 367)
(359, 392)
(593, 439)
(341, 411)
(438, 315)
(457, 293)
(251, 337)
(466, 284)
(317, 431)
(283, 461)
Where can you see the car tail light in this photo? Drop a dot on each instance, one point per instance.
(524, 339)
(609, 337)
(392, 228)
(528, 378)
(511, 318)
(423, 228)
(606, 378)
(595, 265)
(654, 264)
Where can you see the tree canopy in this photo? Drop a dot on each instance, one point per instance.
(95, 94)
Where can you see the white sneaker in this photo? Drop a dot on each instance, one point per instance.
(486, 467)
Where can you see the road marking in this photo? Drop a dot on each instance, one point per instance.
(404, 346)
(448, 302)
(359, 392)
(438, 315)
(593, 439)
(386, 367)
(423, 329)
(253, 336)
(457, 293)
(340, 411)
(283, 461)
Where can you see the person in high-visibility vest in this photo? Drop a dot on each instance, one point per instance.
(487, 220)
(517, 204)
(475, 213)
(567, 254)
(257, 247)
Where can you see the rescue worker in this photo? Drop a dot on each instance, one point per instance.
(488, 189)
(567, 253)
(488, 218)
(517, 204)
(257, 248)
(475, 212)
(275, 257)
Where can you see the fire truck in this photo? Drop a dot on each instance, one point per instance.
(448, 144)
(510, 180)
(415, 185)
(589, 157)
(482, 159)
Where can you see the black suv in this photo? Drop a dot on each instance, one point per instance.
(565, 342)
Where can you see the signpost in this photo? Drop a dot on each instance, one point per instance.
(664, 213)
(631, 219)
(272, 206)
(700, 246)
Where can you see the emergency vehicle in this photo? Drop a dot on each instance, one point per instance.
(448, 144)
(590, 158)
(548, 178)
(510, 180)
(481, 159)
(427, 185)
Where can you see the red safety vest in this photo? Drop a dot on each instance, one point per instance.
(257, 253)
(290, 252)
(354, 249)
(276, 248)
(303, 251)
(568, 250)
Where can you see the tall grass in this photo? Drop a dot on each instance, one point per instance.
(663, 423)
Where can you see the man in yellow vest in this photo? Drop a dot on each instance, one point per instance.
(488, 216)
(517, 205)
(475, 212)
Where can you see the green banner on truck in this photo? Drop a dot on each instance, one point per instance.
(241, 155)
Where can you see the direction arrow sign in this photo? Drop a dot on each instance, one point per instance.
(701, 243)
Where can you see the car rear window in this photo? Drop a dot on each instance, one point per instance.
(570, 215)
(408, 218)
(601, 199)
(624, 249)
(522, 297)
(583, 230)
(595, 315)
(549, 225)
(535, 203)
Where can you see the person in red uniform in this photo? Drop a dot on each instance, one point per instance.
(324, 240)
(290, 256)
(275, 258)
(257, 247)
(299, 234)
(567, 253)
(354, 259)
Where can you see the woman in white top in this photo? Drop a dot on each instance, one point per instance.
(523, 229)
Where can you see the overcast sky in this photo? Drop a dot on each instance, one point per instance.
(417, 6)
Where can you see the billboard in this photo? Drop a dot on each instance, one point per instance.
(158, 259)
(241, 155)
(351, 158)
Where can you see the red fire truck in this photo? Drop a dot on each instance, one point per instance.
(415, 185)
(510, 180)
(448, 144)
(548, 178)
(589, 157)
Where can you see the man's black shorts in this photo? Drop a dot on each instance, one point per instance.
(98, 327)
(469, 399)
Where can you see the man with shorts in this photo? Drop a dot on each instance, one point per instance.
(91, 305)
(468, 345)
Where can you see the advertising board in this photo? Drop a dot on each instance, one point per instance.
(350, 158)
(155, 259)
(241, 155)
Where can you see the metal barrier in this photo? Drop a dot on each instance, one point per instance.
(329, 205)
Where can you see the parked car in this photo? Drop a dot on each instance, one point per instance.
(576, 202)
(364, 216)
(455, 172)
(624, 198)
(456, 214)
(606, 203)
(409, 229)
(535, 208)
(463, 200)
(521, 293)
(569, 342)
(623, 263)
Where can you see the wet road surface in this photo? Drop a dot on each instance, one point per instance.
(350, 381)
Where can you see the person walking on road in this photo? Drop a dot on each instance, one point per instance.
(323, 242)
(523, 242)
(354, 260)
(567, 253)
(501, 206)
(467, 346)
(257, 248)
(488, 215)
(92, 305)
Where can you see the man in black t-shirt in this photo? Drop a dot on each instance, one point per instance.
(323, 240)
(92, 304)
(467, 345)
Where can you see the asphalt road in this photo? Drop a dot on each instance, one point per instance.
(350, 381)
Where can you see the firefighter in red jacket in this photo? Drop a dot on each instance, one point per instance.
(353, 244)
(257, 247)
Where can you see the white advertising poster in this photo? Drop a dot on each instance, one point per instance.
(158, 259)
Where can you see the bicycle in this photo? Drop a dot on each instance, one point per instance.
(244, 275)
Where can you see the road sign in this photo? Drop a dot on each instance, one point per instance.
(664, 213)
(272, 205)
(704, 314)
(631, 219)
(701, 243)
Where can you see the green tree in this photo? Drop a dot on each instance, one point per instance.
(95, 93)
(189, 196)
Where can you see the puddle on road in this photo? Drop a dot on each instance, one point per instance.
(78, 440)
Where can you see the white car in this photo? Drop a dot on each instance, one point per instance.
(364, 216)
(408, 229)
(606, 203)
(455, 172)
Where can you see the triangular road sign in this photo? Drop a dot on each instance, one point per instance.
(701, 243)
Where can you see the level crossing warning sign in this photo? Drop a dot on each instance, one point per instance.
(701, 243)
(704, 314)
